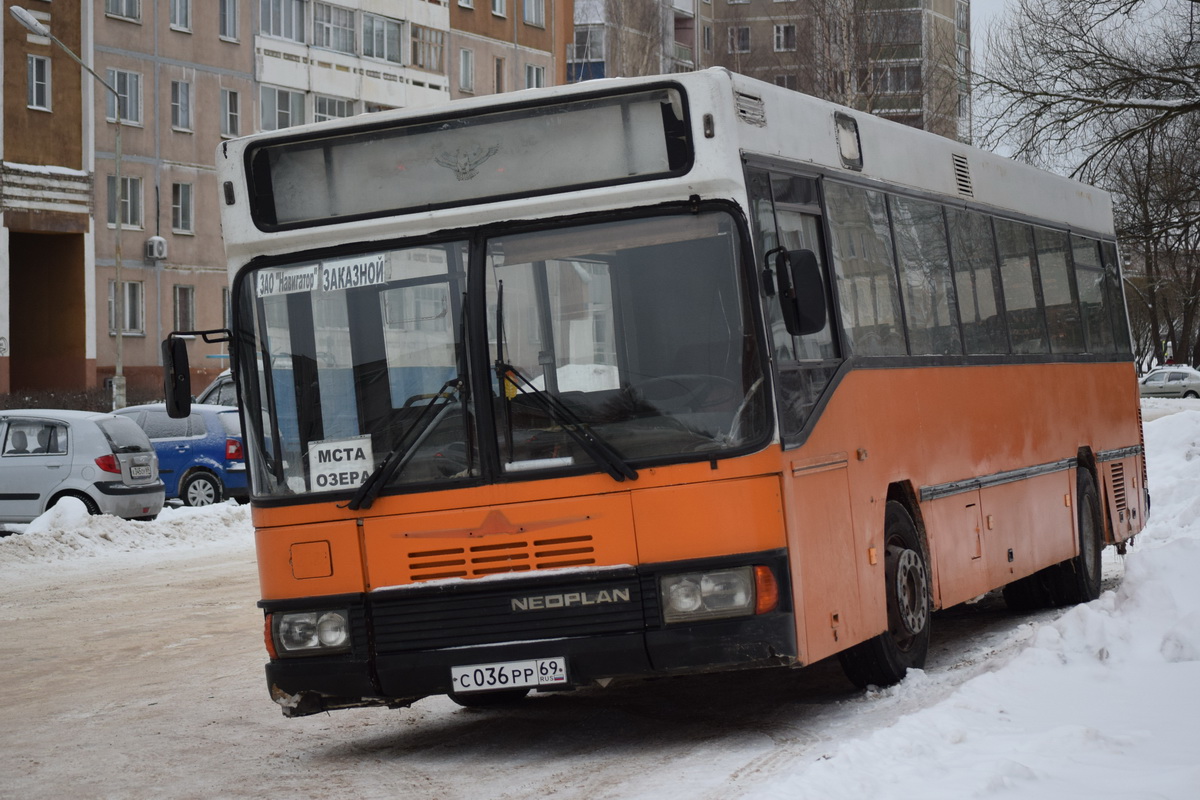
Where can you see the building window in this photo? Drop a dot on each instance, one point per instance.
(131, 202)
(739, 39)
(181, 208)
(589, 43)
(227, 23)
(708, 38)
(427, 44)
(39, 82)
(500, 8)
(230, 113)
(132, 310)
(181, 105)
(499, 70)
(129, 9)
(785, 38)
(226, 313)
(466, 3)
(129, 90)
(283, 19)
(382, 38)
(185, 308)
(786, 81)
(181, 14)
(466, 70)
(331, 108)
(535, 13)
(281, 108)
(535, 77)
(333, 27)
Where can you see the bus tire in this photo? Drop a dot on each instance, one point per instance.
(502, 697)
(888, 657)
(1078, 579)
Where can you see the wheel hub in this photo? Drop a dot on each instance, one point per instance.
(911, 591)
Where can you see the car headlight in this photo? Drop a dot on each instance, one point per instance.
(311, 632)
(719, 594)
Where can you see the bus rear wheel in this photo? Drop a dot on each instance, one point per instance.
(1078, 580)
(888, 657)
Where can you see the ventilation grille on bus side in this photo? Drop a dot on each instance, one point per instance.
(1118, 486)
(962, 175)
(493, 559)
(751, 109)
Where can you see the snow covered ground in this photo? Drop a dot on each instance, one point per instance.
(132, 668)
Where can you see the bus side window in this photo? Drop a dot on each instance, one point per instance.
(977, 281)
(865, 270)
(1022, 292)
(1059, 291)
(930, 310)
(1093, 300)
(784, 215)
(1116, 299)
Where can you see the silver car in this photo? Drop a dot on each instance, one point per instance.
(104, 460)
(1173, 381)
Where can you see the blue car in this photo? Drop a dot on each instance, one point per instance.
(201, 459)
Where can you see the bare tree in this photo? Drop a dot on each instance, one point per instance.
(1074, 80)
(637, 35)
(1157, 212)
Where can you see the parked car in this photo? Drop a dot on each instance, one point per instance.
(105, 461)
(1172, 381)
(201, 458)
(221, 392)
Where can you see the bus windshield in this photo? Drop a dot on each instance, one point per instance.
(607, 346)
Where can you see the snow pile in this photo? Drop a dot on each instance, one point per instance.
(67, 533)
(1156, 407)
(1103, 696)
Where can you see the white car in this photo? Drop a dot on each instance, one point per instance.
(1171, 381)
(104, 460)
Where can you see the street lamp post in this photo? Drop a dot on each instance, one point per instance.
(118, 381)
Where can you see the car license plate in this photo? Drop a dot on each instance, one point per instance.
(509, 675)
(139, 472)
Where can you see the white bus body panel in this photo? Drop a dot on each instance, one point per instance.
(797, 128)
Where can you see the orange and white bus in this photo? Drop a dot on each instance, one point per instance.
(659, 376)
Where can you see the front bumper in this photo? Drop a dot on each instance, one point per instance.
(406, 641)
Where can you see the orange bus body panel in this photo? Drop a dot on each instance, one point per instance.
(707, 519)
(916, 427)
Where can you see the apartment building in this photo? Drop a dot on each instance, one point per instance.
(505, 45)
(184, 75)
(47, 280)
(616, 39)
(906, 60)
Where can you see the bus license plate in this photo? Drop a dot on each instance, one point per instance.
(139, 472)
(509, 675)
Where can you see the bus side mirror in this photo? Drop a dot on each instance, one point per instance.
(801, 291)
(177, 377)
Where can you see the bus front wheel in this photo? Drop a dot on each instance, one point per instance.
(886, 659)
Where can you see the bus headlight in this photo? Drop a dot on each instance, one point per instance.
(698, 596)
(312, 632)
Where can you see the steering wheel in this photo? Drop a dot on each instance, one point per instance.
(687, 392)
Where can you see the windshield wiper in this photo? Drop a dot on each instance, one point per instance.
(599, 450)
(398, 458)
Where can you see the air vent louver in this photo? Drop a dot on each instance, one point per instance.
(962, 175)
(751, 109)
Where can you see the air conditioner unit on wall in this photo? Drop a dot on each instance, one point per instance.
(156, 248)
